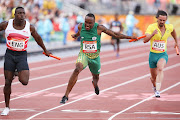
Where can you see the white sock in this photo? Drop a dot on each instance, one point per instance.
(158, 86)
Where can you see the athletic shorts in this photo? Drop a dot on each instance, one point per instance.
(155, 57)
(15, 60)
(94, 64)
(117, 40)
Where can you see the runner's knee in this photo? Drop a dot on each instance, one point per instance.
(24, 81)
(77, 70)
(160, 69)
(96, 77)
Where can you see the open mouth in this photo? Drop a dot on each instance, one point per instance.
(87, 27)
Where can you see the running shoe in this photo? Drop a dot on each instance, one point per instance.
(96, 88)
(157, 94)
(117, 55)
(5, 111)
(64, 99)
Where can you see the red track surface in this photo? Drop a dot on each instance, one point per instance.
(125, 90)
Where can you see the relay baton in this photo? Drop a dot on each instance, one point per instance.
(177, 51)
(133, 40)
(53, 56)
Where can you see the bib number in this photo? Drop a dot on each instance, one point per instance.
(89, 46)
(17, 44)
(158, 45)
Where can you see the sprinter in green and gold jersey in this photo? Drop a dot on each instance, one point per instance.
(90, 33)
(157, 34)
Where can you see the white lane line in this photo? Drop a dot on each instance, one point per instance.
(142, 101)
(130, 81)
(158, 112)
(83, 79)
(70, 70)
(73, 61)
(80, 80)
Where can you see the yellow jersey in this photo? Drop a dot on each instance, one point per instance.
(158, 41)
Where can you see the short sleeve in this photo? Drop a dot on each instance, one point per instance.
(171, 27)
(149, 30)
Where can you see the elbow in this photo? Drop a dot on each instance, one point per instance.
(145, 41)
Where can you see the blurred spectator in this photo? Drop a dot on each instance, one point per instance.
(65, 29)
(48, 27)
(40, 26)
(76, 30)
(131, 21)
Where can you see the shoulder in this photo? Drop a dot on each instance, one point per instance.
(4, 23)
(152, 26)
(80, 26)
(32, 28)
(170, 26)
(101, 27)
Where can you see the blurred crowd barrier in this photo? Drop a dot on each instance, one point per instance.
(140, 27)
(56, 20)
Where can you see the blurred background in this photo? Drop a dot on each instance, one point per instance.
(56, 20)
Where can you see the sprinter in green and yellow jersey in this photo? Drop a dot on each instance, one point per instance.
(90, 33)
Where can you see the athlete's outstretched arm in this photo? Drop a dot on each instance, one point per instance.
(78, 33)
(3, 25)
(38, 39)
(173, 33)
(114, 34)
(149, 36)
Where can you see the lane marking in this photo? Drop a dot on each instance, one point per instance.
(67, 71)
(158, 112)
(142, 101)
(83, 79)
(130, 81)
(73, 61)
(85, 111)
(70, 70)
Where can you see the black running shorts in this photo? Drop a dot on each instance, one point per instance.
(15, 60)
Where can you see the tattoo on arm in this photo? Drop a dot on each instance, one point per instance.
(112, 33)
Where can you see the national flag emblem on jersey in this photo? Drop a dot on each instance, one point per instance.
(94, 38)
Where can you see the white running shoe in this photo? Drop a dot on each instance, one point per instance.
(5, 111)
(157, 94)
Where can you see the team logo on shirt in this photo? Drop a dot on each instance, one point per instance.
(94, 38)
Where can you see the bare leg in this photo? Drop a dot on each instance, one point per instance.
(118, 41)
(24, 76)
(160, 75)
(73, 78)
(153, 76)
(113, 44)
(95, 83)
(7, 88)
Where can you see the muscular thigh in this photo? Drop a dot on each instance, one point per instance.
(82, 58)
(155, 57)
(95, 65)
(22, 63)
(9, 62)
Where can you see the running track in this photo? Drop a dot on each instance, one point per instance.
(125, 90)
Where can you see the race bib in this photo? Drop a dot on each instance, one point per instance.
(17, 44)
(89, 46)
(158, 45)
